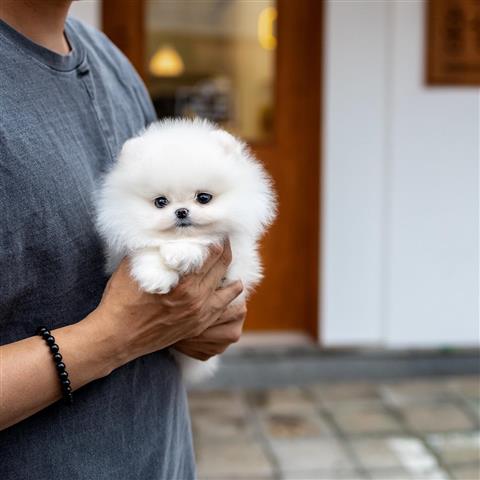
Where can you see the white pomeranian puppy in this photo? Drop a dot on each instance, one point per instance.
(177, 188)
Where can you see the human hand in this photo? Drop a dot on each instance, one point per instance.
(218, 337)
(138, 323)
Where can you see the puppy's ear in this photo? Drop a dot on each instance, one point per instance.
(130, 150)
(228, 142)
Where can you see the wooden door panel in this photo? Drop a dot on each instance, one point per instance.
(288, 296)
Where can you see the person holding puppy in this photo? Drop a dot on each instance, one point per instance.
(68, 101)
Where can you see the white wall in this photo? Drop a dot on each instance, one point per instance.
(401, 185)
(353, 164)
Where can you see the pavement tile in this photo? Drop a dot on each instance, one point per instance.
(231, 461)
(417, 459)
(288, 400)
(402, 474)
(376, 453)
(432, 418)
(216, 401)
(396, 474)
(365, 419)
(221, 426)
(324, 454)
(418, 391)
(474, 405)
(383, 458)
(291, 425)
(333, 393)
(465, 472)
(456, 448)
(468, 386)
(324, 475)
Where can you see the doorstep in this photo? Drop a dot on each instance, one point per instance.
(266, 364)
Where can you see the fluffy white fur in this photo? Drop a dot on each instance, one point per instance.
(178, 159)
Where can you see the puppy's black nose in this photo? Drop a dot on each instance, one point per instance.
(181, 213)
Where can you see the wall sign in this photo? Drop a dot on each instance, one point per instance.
(453, 42)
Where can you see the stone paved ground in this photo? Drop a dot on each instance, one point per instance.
(412, 429)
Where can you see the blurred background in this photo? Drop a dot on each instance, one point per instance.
(361, 352)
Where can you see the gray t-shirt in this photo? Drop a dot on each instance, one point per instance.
(63, 119)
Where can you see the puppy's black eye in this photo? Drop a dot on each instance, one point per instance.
(203, 197)
(161, 202)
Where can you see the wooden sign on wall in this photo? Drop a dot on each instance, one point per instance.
(453, 42)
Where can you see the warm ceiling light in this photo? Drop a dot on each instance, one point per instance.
(266, 28)
(166, 62)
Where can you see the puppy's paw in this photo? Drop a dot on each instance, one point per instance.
(184, 258)
(157, 281)
(151, 275)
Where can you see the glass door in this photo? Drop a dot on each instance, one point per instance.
(213, 59)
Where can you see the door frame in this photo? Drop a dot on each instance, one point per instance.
(301, 45)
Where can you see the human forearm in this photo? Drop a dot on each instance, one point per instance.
(28, 379)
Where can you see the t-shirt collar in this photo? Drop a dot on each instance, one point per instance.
(44, 55)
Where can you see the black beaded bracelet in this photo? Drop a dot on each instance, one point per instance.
(44, 332)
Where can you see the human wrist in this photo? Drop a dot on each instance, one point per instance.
(89, 350)
(106, 341)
